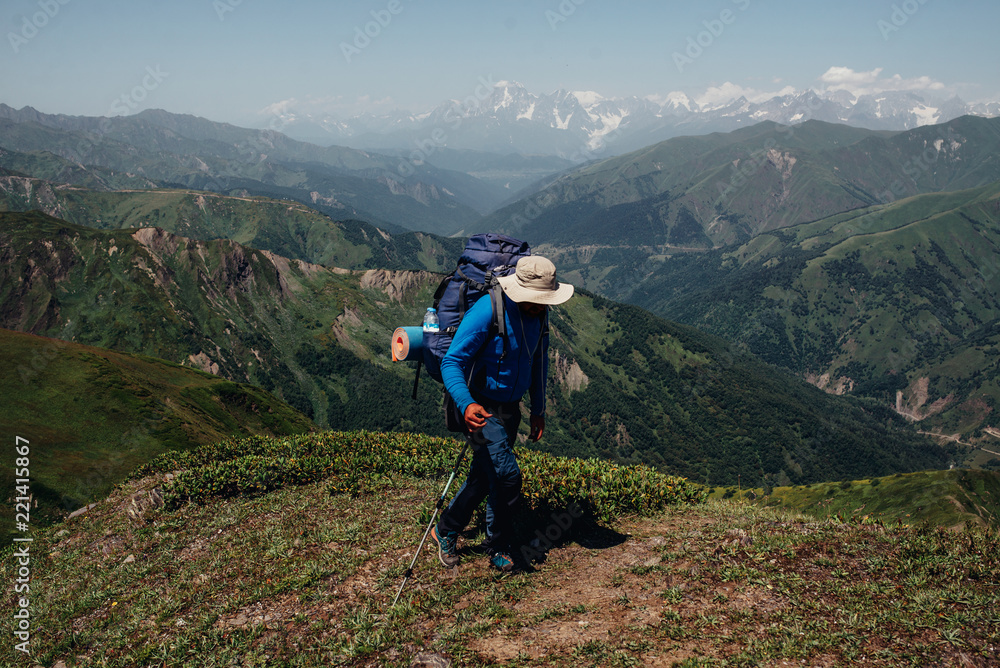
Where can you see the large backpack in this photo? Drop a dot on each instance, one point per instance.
(486, 257)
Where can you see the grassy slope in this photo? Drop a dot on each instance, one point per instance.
(302, 577)
(50, 167)
(941, 498)
(92, 415)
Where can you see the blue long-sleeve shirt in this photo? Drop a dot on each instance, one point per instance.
(474, 361)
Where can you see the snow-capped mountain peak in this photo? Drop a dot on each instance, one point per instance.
(587, 98)
(508, 118)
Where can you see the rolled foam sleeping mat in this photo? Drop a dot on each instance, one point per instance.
(407, 344)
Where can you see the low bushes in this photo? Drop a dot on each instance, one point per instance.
(257, 464)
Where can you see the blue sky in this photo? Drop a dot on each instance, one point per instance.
(229, 60)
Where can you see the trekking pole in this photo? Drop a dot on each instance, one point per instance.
(416, 381)
(437, 507)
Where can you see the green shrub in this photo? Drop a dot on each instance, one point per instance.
(256, 465)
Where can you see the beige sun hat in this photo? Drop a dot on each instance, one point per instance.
(534, 280)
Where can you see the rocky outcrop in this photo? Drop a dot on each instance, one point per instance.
(916, 407)
(840, 385)
(397, 285)
(567, 373)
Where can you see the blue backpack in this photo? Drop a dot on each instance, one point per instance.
(486, 257)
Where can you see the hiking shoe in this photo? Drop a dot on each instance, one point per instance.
(447, 553)
(502, 562)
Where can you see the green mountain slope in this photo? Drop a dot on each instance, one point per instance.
(626, 385)
(699, 192)
(289, 229)
(50, 167)
(190, 152)
(941, 498)
(900, 298)
(91, 415)
(247, 315)
(676, 398)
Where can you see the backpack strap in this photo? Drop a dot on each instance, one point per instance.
(542, 335)
(499, 321)
(481, 287)
(442, 286)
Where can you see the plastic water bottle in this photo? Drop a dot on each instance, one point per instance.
(431, 322)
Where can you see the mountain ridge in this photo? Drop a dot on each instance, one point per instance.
(722, 189)
(339, 181)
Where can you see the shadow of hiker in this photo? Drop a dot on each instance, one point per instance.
(541, 531)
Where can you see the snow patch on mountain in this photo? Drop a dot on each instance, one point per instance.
(561, 124)
(926, 115)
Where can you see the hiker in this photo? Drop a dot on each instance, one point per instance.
(486, 377)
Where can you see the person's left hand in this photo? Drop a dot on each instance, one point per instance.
(537, 427)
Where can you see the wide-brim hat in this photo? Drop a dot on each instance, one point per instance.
(534, 280)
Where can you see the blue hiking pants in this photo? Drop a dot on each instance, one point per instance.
(493, 473)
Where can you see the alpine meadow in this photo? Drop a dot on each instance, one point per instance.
(771, 334)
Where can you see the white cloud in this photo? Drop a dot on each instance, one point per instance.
(834, 79)
(871, 82)
(279, 108)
